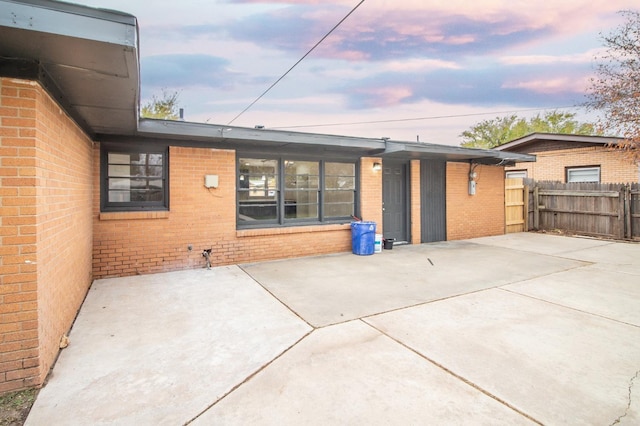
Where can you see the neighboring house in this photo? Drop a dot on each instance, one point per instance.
(90, 191)
(571, 158)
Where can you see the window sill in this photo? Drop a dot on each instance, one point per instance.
(291, 230)
(134, 215)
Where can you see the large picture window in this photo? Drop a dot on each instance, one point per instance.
(291, 191)
(134, 179)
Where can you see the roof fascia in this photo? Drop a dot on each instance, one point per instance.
(535, 137)
(66, 19)
(201, 131)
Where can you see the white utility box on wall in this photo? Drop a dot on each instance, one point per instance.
(211, 181)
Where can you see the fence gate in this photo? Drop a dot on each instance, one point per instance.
(516, 198)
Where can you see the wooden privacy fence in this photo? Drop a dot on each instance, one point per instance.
(516, 206)
(604, 210)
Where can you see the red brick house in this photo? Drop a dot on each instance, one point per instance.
(571, 158)
(89, 190)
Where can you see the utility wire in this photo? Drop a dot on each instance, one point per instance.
(435, 117)
(296, 64)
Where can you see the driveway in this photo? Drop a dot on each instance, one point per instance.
(515, 329)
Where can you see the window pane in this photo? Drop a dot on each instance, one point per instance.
(117, 158)
(302, 182)
(301, 211)
(302, 174)
(339, 203)
(119, 196)
(340, 185)
(135, 177)
(120, 184)
(339, 196)
(585, 174)
(253, 212)
(516, 174)
(257, 190)
(144, 158)
(340, 182)
(119, 170)
(340, 176)
(259, 176)
(338, 210)
(340, 169)
(301, 204)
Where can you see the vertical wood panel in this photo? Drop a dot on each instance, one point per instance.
(514, 205)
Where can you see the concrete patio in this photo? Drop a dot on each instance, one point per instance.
(516, 329)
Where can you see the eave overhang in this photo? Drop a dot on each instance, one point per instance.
(427, 151)
(534, 138)
(88, 55)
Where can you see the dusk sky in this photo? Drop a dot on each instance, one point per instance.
(408, 68)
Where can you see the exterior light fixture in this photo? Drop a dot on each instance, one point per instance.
(377, 167)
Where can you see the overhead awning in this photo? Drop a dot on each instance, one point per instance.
(426, 151)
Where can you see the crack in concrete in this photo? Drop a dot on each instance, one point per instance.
(626, 411)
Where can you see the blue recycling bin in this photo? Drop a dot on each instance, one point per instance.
(363, 237)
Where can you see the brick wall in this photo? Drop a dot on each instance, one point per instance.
(128, 243)
(45, 214)
(371, 192)
(550, 165)
(471, 216)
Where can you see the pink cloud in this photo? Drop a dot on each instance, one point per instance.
(388, 95)
(551, 85)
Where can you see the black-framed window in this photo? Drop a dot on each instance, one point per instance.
(290, 191)
(134, 179)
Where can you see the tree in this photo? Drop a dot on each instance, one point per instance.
(490, 133)
(615, 91)
(165, 107)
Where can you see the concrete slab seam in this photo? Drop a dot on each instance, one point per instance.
(457, 376)
(565, 306)
(276, 297)
(560, 255)
(626, 411)
(441, 299)
(248, 378)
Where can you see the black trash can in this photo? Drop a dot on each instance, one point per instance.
(388, 243)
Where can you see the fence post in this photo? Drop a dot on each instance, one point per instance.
(536, 209)
(627, 211)
(621, 213)
(525, 198)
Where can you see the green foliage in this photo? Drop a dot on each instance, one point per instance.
(165, 107)
(615, 91)
(491, 133)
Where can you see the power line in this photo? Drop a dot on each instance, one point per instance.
(435, 117)
(296, 64)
